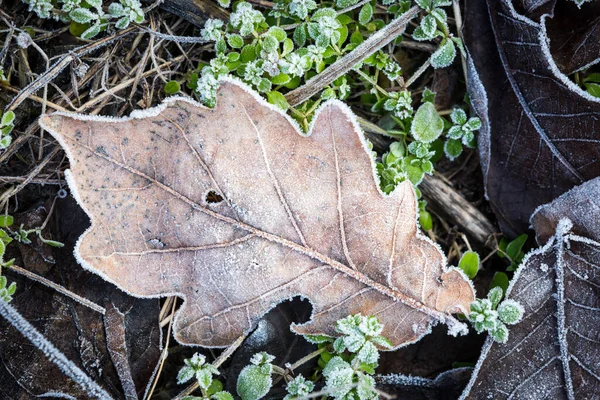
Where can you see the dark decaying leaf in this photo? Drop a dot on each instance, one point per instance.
(119, 351)
(554, 353)
(574, 34)
(299, 215)
(539, 130)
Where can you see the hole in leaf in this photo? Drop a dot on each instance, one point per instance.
(213, 197)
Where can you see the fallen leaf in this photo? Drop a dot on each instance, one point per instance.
(573, 32)
(446, 386)
(539, 129)
(235, 211)
(553, 353)
(119, 350)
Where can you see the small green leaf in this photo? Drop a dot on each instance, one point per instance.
(444, 55)
(172, 87)
(222, 396)
(221, 46)
(500, 334)
(365, 14)
(317, 339)
(248, 53)
(425, 220)
(453, 148)
(123, 23)
(469, 263)
(116, 10)
(91, 32)
(593, 89)
(270, 44)
(52, 243)
(6, 221)
(513, 249)
(288, 47)
(427, 124)
(495, 296)
(510, 312)
(185, 374)
(12, 289)
(8, 118)
(252, 383)
(278, 33)
(215, 386)
(235, 41)
(500, 280)
(280, 79)
(300, 35)
(83, 16)
(278, 99)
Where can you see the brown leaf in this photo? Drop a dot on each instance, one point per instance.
(539, 130)
(553, 353)
(299, 216)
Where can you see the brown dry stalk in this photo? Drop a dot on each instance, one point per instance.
(346, 63)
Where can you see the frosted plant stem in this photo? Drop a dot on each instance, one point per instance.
(217, 363)
(53, 354)
(418, 73)
(307, 358)
(58, 288)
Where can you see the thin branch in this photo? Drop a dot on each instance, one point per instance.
(53, 354)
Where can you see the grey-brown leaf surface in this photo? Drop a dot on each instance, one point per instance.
(301, 216)
(539, 137)
(554, 353)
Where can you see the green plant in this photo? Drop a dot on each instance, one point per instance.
(492, 316)
(88, 17)
(346, 365)
(469, 263)
(197, 368)
(6, 126)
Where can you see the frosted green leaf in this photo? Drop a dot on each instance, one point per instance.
(116, 9)
(439, 15)
(348, 325)
(419, 35)
(371, 326)
(91, 32)
(185, 374)
(277, 33)
(398, 149)
(83, 16)
(335, 363)
(338, 345)
(345, 3)
(365, 14)
(500, 333)
(354, 341)
(235, 41)
(95, 3)
(252, 383)
(12, 288)
(458, 116)
(222, 396)
(270, 44)
(6, 221)
(204, 378)
(224, 3)
(382, 342)
(318, 339)
(366, 388)
(122, 23)
(444, 55)
(495, 295)
(473, 124)
(300, 386)
(300, 35)
(453, 148)
(427, 124)
(510, 312)
(288, 46)
(368, 353)
(428, 26)
(424, 4)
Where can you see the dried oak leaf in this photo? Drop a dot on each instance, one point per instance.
(538, 138)
(299, 216)
(554, 352)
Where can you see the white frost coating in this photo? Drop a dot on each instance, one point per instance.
(50, 351)
(480, 103)
(455, 327)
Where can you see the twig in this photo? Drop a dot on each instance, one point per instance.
(57, 287)
(50, 351)
(346, 63)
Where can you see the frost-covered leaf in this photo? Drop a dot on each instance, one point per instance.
(573, 32)
(539, 133)
(251, 213)
(553, 353)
